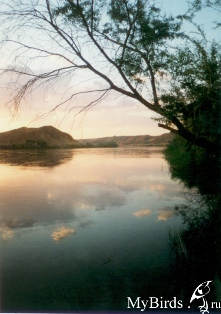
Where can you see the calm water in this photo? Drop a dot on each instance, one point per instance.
(85, 229)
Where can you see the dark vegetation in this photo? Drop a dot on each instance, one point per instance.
(30, 144)
(99, 144)
(197, 245)
(194, 166)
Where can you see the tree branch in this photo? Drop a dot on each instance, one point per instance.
(107, 57)
(166, 127)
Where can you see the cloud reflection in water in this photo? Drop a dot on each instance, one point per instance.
(143, 212)
(62, 233)
(6, 233)
(165, 214)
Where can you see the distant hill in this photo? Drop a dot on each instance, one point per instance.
(49, 136)
(46, 136)
(139, 140)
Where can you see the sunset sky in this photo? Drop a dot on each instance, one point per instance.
(115, 115)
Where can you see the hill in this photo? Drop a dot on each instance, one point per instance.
(46, 136)
(139, 140)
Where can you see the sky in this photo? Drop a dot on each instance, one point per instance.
(115, 116)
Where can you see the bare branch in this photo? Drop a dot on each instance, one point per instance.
(47, 52)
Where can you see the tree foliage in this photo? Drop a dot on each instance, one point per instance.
(198, 5)
(196, 77)
(135, 49)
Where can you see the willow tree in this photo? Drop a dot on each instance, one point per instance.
(131, 46)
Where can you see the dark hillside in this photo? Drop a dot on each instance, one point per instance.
(46, 136)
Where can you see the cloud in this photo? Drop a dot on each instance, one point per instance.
(6, 233)
(143, 212)
(62, 233)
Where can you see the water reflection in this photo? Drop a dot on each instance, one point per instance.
(89, 233)
(142, 212)
(6, 233)
(165, 214)
(198, 250)
(37, 157)
(62, 233)
(197, 244)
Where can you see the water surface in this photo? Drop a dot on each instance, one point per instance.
(85, 229)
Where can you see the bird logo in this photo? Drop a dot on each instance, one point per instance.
(200, 292)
